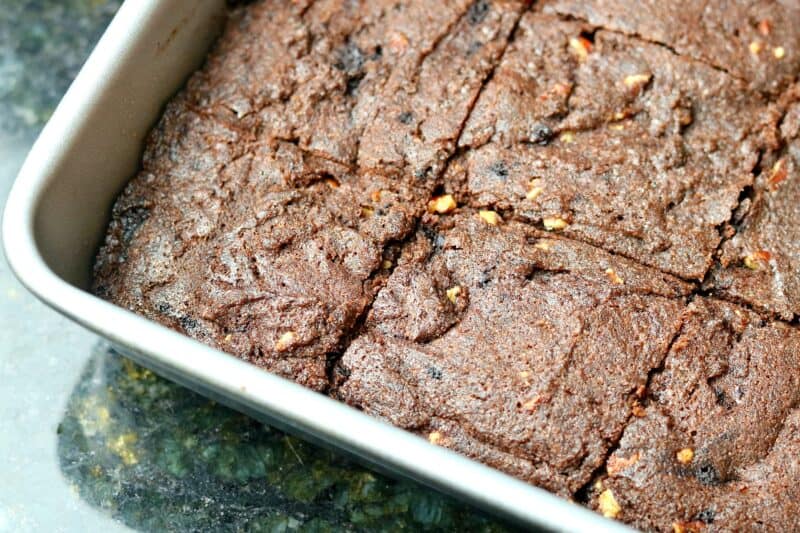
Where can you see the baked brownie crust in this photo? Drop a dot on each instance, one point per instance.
(251, 226)
(523, 351)
(423, 112)
(716, 445)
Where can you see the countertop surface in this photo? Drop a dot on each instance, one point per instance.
(92, 442)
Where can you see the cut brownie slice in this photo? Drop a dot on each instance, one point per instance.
(616, 142)
(523, 351)
(313, 74)
(717, 444)
(263, 251)
(756, 41)
(424, 108)
(759, 265)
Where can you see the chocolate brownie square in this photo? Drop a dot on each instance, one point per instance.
(616, 142)
(716, 444)
(518, 349)
(755, 41)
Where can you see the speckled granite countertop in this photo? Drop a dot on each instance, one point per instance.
(91, 441)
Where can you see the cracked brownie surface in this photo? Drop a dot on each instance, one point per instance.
(754, 41)
(558, 237)
(248, 232)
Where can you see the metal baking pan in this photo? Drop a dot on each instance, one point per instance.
(57, 213)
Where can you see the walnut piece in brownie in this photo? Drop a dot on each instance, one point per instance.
(616, 142)
(716, 446)
(759, 264)
(756, 41)
(515, 348)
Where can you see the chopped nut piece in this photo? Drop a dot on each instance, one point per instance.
(778, 52)
(398, 42)
(685, 456)
(778, 173)
(531, 404)
(607, 504)
(764, 27)
(567, 137)
(435, 437)
(635, 81)
(580, 47)
(386, 265)
(332, 183)
(442, 204)
(753, 261)
(618, 464)
(490, 217)
(637, 410)
(535, 189)
(285, 341)
(562, 88)
(524, 374)
(684, 116)
(756, 47)
(228, 337)
(695, 526)
(452, 293)
(554, 223)
(617, 127)
(542, 245)
(615, 279)
(376, 196)
(367, 212)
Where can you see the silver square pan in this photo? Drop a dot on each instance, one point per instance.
(55, 219)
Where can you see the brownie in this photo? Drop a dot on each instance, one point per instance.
(266, 252)
(312, 72)
(557, 237)
(423, 111)
(759, 263)
(621, 143)
(516, 348)
(755, 41)
(715, 446)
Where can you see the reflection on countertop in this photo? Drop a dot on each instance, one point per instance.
(159, 457)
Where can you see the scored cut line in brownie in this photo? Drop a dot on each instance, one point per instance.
(759, 263)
